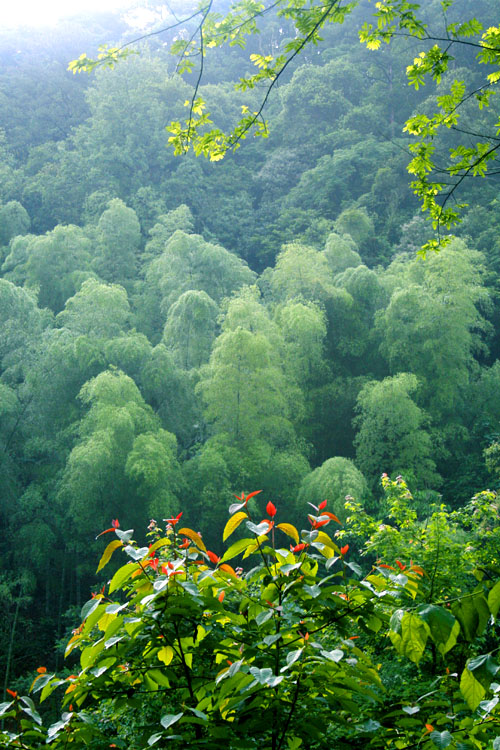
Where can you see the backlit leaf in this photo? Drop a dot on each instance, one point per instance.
(166, 654)
(106, 555)
(236, 549)
(290, 530)
(233, 524)
(494, 599)
(471, 689)
(196, 538)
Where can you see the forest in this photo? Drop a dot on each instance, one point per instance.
(175, 331)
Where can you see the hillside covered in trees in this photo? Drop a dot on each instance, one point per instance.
(175, 330)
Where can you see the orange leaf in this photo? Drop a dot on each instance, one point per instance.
(196, 538)
(228, 569)
(104, 532)
(418, 569)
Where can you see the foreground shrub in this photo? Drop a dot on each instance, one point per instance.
(181, 649)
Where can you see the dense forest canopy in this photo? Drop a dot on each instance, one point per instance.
(175, 330)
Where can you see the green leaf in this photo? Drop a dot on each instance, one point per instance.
(471, 689)
(29, 708)
(369, 726)
(122, 575)
(414, 636)
(336, 655)
(166, 654)
(236, 549)
(124, 536)
(261, 675)
(233, 524)
(444, 628)
(153, 739)
(264, 616)
(441, 739)
(292, 657)
(106, 555)
(169, 719)
(410, 710)
(4, 707)
(89, 607)
(41, 682)
(494, 599)
(136, 554)
(258, 529)
(473, 614)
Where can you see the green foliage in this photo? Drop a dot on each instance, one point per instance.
(62, 255)
(434, 320)
(388, 20)
(123, 458)
(119, 234)
(391, 430)
(14, 221)
(190, 328)
(333, 480)
(97, 309)
(181, 647)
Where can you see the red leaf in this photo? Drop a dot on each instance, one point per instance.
(322, 505)
(213, 557)
(389, 567)
(105, 532)
(298, 547)
(244, 499)
(344, 549)
(271, 509)
(332, 516)
(172, 521)
(41, 670)
(115, 523)
(184, 544)
(12, 692)
(318, 524)
(252, 494)
(221, 596)
(400, 565)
